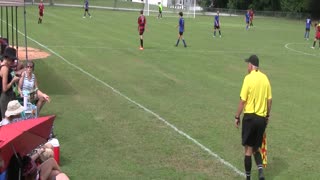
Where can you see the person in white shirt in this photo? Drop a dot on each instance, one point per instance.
(28, 82)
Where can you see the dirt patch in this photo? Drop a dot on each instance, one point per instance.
(33, 53)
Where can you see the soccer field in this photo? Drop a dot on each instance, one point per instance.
(168, 112)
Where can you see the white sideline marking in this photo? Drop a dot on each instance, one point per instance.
(174, 49)
(301, 52)
(144, 108)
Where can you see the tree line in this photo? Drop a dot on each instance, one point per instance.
(296, 6)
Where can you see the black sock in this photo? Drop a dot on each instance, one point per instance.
(141, 42)
(314, 43)
(39, 21)
(258, 158)
(219, 32)
(319, 44)
(247, 166)
(177, 42)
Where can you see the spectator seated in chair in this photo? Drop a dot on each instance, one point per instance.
(28, 82)
(13, 111)
(49, 169)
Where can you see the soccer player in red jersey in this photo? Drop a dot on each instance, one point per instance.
(317, 36)
(251, 16)
(142, 21)
(41, 11)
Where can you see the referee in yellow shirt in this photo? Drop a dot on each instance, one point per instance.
(255, 102)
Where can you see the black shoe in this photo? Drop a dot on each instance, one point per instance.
(261, 176)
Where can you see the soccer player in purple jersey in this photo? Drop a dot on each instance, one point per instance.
(86, 9)
(181, 30)
(308, 25)
(216, 24)
(247, 19)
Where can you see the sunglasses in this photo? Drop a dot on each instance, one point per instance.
(29, 66)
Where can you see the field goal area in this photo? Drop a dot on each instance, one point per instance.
(170, 8)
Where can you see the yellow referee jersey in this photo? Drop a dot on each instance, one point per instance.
(256, 90)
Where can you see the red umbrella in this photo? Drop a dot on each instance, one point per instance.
(23, 136)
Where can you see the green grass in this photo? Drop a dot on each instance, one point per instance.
(196, 89)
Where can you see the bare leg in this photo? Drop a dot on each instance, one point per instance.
(47, 167)
(62, 176)
(40, 103)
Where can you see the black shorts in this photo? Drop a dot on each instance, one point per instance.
(180, 33)
(307, 29)
(141, 31)
(86, 9)
(216, 27)
(253, 127)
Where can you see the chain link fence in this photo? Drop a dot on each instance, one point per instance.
(173, 7)
(236, 12)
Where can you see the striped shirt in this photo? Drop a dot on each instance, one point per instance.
(28, 85)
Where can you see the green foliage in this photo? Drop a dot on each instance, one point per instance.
(263, 5)
(266, 5)
(293, 5)
(314, 7)
(232, 4)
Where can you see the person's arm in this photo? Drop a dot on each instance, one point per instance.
(5, 85)
(40, 93)
(269, 104)
(45, 96)
(36, 155)
(21, 83)
(238, 113)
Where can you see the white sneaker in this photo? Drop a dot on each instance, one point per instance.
(312, 47)
(83, 17)
(220, 36)
(214, 36)
(90, 16)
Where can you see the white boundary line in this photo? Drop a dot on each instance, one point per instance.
(174, 49)
(236, 170)
(301, 52)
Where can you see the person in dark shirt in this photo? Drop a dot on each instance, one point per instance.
(86, 9)
(8, 79)
(142, 21)
(181, 30)
(217, 24)
(251, 13)
(41, 11)
(247, 19)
